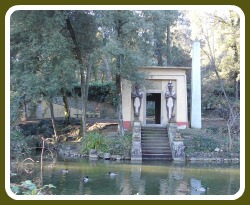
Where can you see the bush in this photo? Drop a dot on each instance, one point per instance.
(95, 140)
(116, 145)
(15, 107)
(200, 144)
(18, 144)
(30, 188)
(121, 146)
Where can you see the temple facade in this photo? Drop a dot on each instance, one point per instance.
(159, 100)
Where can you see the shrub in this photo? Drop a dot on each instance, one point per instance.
(122, 145)
(30, 188)
(95, 140)
(200, 144)
(18, 144)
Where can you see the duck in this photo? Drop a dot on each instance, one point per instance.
(202, 189)
(85, 179)
(112, 174)
(64, 171)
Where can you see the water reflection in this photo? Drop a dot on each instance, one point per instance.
(147, 178)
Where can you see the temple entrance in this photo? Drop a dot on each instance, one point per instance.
(153, 108)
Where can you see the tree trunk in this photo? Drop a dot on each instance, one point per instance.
(83, 100)
(66, 108)
(236, 87)
(85, 93)
(108, 73)
(25, 109)
(118, 82)
(119, 105)
(237, 90)
(159, 53)
(229, 137)
(168, 57)
(79, 58)
(53, 117)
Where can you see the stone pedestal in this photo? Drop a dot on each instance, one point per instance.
(136, 152)
(176, 143)
(178, 150)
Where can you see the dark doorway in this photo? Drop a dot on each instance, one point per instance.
(153, 108)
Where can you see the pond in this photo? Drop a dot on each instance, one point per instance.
(146, 178)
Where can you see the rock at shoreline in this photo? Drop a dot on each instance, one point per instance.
(116, 157)
(93, 154)
(106, 156)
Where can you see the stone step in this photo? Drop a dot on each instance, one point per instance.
(156, 136)
(156, 148)
(156, 156)
(156, 151)
(156, 145)
(153, 132)
(150, 140)
(154, 127)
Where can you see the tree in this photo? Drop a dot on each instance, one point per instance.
(82, 29)
(122, 36)
(161, 23)
(220, 49)
(41, 60)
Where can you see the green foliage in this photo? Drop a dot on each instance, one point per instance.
(101, 92)
(203, 140)
(18, 144)
(95, 140)
(15, 107)
(42, 61)
(204, 143)
(121, 145)
(180, 57)
(220, 42)
(116, 145)
(150, 108)
(30, 188)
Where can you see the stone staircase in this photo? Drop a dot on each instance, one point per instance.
(155, 143)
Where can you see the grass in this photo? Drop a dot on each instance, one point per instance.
(95, 140)
(113, 145)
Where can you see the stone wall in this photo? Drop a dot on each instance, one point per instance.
(41, 110)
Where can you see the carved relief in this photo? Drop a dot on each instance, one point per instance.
(178, 150)
(136, 152)
(136, 133)
(136, 149)
(137, 96)
(170, 98)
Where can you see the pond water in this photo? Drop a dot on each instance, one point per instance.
(146, 178)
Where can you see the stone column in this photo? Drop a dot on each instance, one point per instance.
(176, 143)
(196, 87)
(136, 151)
